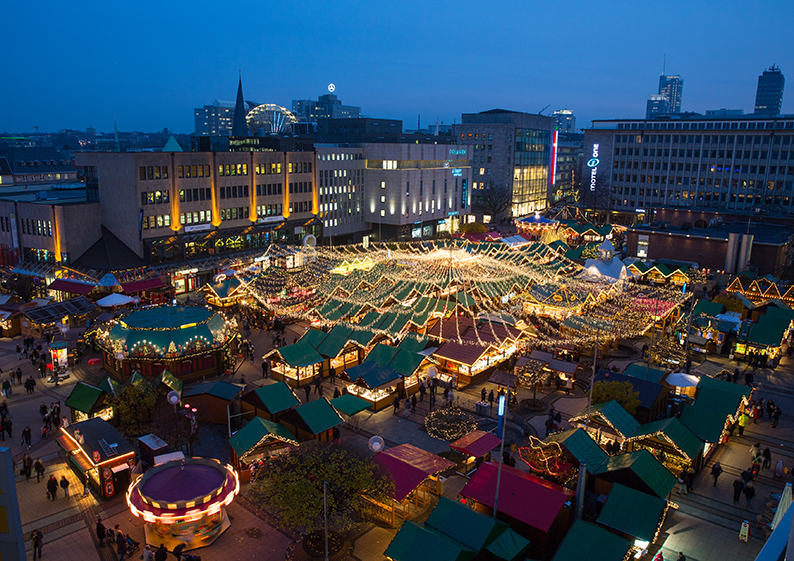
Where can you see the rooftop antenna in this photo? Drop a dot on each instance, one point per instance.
(37, 129)
(664, 64)
(116, 135)
(542, 110)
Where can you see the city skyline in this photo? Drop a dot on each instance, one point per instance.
(395, 62)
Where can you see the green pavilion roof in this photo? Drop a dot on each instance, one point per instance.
(109, 386)
(274, 397)
(381, 354)
(464, 525)
(219, 388)
(587, 541)
(632, 512)
(299, 355)
(167, 331)
(716, 399)
(406, 362)
(258, 431)
(165, 377)
(314, 337)
(335, 341)
(708, 308)
(422, 543)
(641, 371)
(350, 404)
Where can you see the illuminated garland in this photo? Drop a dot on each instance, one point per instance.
(547, 458)
(449, 423)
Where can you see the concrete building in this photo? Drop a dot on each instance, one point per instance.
(173, 206)
(657, 104)
(769, 94)
(327, 106)
(722, 162)
(565, 121)
(512, 154)
(340, 184)
(570, 149)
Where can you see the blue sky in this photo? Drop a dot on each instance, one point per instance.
(79, 64)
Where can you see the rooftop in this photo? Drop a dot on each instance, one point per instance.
(764, 233)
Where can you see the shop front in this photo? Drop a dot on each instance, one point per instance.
(463, 363)
(377, 385)
(671, 443)
(257, 441)
(96, 450)
(297, 364)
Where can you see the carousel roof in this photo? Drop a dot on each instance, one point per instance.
(166, 330)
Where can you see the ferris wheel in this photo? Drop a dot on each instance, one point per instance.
(270, 118)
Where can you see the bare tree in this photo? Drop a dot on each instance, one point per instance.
(496, 200)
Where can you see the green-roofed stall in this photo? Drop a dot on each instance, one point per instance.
(638, 470)
(635, 515)
(269, 400)
(213, 400)
(296, 364)
(86, 402)
(717, 402)
(350, 405)
(314, 420)
(109, 386)
(255, 442)
(670, 439)
(416, 542)
(588, 541)
(580, 447)
(170, 381)
(381, 354)
(611, 416)
(191, 342)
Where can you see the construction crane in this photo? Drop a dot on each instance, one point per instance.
(542, 110)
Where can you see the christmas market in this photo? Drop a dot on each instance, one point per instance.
(188, 341)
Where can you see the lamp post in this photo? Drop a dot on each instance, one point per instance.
(501, 433)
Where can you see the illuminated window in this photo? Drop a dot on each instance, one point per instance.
(382, 212)
(383, 198)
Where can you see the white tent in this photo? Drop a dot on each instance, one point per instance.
(610, 271)
(682, 380)
(114, 299)
(782, 506)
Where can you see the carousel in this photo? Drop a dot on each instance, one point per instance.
(183, 501)
(188, 341)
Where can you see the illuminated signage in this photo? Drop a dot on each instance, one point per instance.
(457, 172)
(554, 158)
(457, 152)
(464, 194)
(592, 163)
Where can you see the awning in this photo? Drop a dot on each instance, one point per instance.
(71, 287)
(141, 285)
(477, 443)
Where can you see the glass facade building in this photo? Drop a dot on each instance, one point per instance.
(531, 170)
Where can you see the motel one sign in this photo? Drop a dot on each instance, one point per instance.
(592, 163)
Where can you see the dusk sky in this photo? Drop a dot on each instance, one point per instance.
(79, 64)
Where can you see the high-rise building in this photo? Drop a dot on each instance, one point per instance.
(513, 155)
(566, 120)
(656, 105)
(216, 119)
(327, 106)
(672, 87)
(769, 95)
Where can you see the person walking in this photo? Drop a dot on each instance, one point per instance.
(422, 390)
(318, 381)
(396, 404)
(483, 394)
(178, 551)
(413, 403)
(760, 408)
(148, 554)
(744, 420)
(101, 532)
(755, 451)
(332, 375)
(52, 487)
(432, 400)
(491, 399)
(776, 416)
(716, 470)
(65, 485)
(38, 467)
(767, 455)
(308, 389)
(689, 480)
(337, 393)
(264, 369)
(738, 487)
(37, 539)
(749, 492)
(681, 556)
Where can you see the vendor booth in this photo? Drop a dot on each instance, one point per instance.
(257, 441)
(584, 539)
(634, 516)
(476, 448)
(314, 420)
(215, 401)
(98, 451)
(270, 400)
(377, 385)
(608, 421)
(184, 502)
(296, 364)
(638, 470)
(416, 477)
(671, 443)
(86, 402)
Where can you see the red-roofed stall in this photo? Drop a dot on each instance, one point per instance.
(415, 473)
(537, 509)
(477, 447)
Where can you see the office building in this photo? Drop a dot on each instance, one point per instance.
(327, 106)
(724, 112)
(511, 161)
(570, 148)
(565, 121)
(657, 104)
(340, 185)
(769, 95)
(672, 88)
(730, 163)
(216, 119)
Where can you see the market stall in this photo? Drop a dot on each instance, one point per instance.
(671, 443)
(96, 450)
(415, 473)
(314, 420)
(269, 400)
(633, 515)
(184, 502)
(608, 421)
(377, 385)
(476, 448)
(638, 470)
(215, 401)
(580, 541)
(296, 364)
(86, 402)
(257, 441)
(226, 292)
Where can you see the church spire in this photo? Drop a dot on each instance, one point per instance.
(239, 127)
